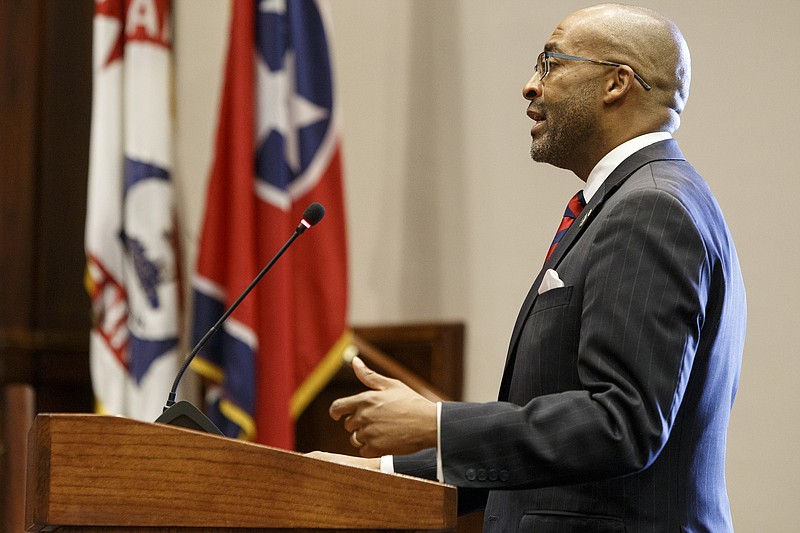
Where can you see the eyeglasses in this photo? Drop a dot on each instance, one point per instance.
(543, 65)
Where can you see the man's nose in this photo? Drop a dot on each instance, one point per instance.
(533, 88)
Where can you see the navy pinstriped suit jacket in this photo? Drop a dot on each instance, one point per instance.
(617, 390)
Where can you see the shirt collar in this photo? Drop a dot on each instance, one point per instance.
(612, 159)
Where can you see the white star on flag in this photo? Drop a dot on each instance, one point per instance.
(281, 109)
(273, 6)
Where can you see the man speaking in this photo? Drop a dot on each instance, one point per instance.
(624, 361)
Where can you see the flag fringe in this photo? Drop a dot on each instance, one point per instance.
(321, 375)
(99, 409)
(207, 369)
(240, 417)
(227, 408)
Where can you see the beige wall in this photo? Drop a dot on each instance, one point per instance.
(436, 149)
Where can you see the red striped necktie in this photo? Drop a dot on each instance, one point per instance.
(574, 208)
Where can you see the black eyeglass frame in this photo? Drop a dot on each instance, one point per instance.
(544, 59)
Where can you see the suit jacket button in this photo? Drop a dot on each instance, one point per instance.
(504, 475)
(492, 475)
(481, 475)
(470, 474)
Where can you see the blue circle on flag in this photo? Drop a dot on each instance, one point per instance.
(292, 43)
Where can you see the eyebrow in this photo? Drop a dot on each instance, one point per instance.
(550, 47)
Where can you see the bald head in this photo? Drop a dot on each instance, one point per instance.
(645, 40)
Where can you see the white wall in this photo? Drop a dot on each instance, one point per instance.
(436, 150)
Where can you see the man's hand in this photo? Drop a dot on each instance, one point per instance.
(389, 419)
(349, 460)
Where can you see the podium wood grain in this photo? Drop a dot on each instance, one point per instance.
(104, 473)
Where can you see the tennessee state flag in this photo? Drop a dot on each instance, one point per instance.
(131, 230)
(277, 150)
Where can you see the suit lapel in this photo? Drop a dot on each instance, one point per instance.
(662, 150)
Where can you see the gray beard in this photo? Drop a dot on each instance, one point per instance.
(571, 124)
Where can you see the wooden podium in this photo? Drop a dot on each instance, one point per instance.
(98, 473)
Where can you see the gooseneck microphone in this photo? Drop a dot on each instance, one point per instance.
(185, 414)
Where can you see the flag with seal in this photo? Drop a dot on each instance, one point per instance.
(132, 271)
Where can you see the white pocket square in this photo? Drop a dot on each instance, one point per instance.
(550, 281)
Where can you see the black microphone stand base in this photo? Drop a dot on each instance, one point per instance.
(186, 415)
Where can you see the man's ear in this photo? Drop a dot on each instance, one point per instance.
(618, 83)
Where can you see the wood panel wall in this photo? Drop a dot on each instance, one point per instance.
(45, 108)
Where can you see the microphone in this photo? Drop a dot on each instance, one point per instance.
(185, 414)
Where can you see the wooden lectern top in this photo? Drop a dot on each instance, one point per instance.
(106, 473)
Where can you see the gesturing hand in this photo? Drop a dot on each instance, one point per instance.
(389, 419)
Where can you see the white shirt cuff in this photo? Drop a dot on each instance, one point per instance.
(439, 469)
(387, 464)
